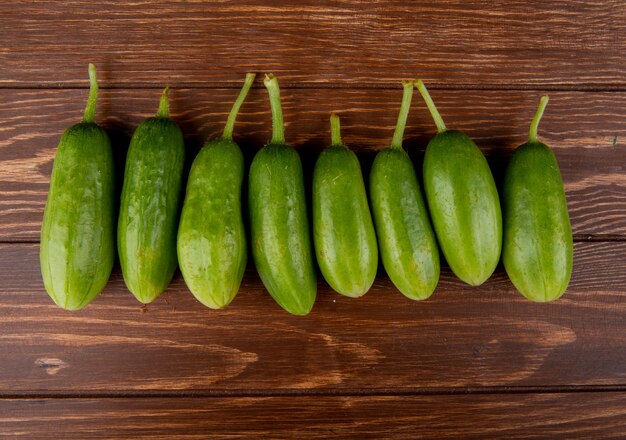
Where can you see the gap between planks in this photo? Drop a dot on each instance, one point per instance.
(236, 84)
(566, 389)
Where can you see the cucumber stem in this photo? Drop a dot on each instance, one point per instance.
(534, 125)
(335, 130)
(90, 110)
(278, 129)
(232, 116)
(407, 96)
(164, 104)
(441, 126)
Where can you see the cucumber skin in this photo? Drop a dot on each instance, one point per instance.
(343, 232)
(281, 245)
(149, 209)
(405, 237)
(464, 206)
(78, 233)
(212, 251)
(538, 244)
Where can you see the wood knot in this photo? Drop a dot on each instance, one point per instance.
(51, 365)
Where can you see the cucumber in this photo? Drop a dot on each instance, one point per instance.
(463, 201)
(538, 246)
(77, 233)
(405, 237)
(150, 203)
(281, 245)
(211, 242)
(343, 232)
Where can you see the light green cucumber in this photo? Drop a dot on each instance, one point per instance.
(538, 247)
(463, 201)
(150, 204)
(281, 244)
(405, 237)
(77, 234)
(212, 250)
(343, 232)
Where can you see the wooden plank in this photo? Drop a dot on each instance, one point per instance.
(585, 128)
(450, 43)
(462, 337)
(517, 416)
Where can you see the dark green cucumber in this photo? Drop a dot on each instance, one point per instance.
(281, 245)
(538, 249)
(463, 201)
(212, 250)
(151, 195)
(77, 233)
(343, 232)
(405, 237)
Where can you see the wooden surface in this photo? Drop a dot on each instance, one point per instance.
(491, 416)
(451, 43)
(584, 128)
(471, 362)
(462, 337)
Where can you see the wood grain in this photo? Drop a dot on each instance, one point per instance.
(496, 416)
(449, 43)
(462, 337)
(586, 130)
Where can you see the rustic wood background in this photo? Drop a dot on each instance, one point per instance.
(469, 362)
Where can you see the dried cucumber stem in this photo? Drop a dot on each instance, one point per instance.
(232, 116)
(335, 131)
(441, 126)
(278, 129)
(90, 109)
(164, 104)
(407, 96)
(534, 125)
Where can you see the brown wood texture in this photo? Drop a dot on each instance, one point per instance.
(467, 363)
(560, 43)
(496, 416)
(585, 129)
(462, 337)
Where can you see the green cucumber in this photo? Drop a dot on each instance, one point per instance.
(538, 247)
(405, 237)
(150, 203)
(463, 201)
(343, 232)
(212, 250)
(77, 233)
(281, 245)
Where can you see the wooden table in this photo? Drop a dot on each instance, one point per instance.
(469, 362)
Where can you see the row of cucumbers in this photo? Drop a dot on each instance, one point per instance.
(208, 240)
